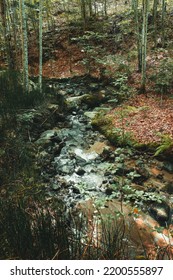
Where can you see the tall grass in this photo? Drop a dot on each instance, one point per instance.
(30, 229)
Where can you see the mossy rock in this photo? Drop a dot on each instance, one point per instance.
(94, 99)
(101, 120)
(116, 136)
(75, 101)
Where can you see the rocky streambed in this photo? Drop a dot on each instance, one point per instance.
(80, 167)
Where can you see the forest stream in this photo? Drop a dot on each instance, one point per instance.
(91, 176)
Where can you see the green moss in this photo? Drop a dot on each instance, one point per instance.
(116, 136)
(102, 120)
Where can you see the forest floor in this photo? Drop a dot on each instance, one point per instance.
(147, 118)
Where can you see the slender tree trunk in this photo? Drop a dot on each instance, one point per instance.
(163, 22)
(144, 43)
(40, 44)
(138, 35)
(155, 4)
(6, 33)
(83, 13)
(105, 7)
(13, 30)
(95, 8)
(90, 8)
(24, 46)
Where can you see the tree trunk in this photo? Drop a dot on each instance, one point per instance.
(144, 44)
(105, 7)
(12, 15)
(155, 4)
(40, 44)
(163, 22)
(138, 36)
(83, 13)
(6, 33)
(24, 46)
(90, 8)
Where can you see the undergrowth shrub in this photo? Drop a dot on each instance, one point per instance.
(114, 238)
(163, 78)
(12, 95)
(31, 230)
(17, 159)
(13, 99)
(165, 146)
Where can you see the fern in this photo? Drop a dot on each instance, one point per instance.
(166, 144)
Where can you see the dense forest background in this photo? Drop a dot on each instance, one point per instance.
(26, 28)
(104, 70)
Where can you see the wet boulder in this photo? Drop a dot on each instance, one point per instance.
(80, 171)
(160, 212)
(75, 102)
(95, 99)
(64, 165)
(46, 137)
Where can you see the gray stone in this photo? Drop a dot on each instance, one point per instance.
(53, 107)
(67, 169)
(87, 156)
(90, 114)
(55, 187)
(94, 86)
(64, 165)
(46, 136)
(80, 171)
(62, 92)
(75, 101)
